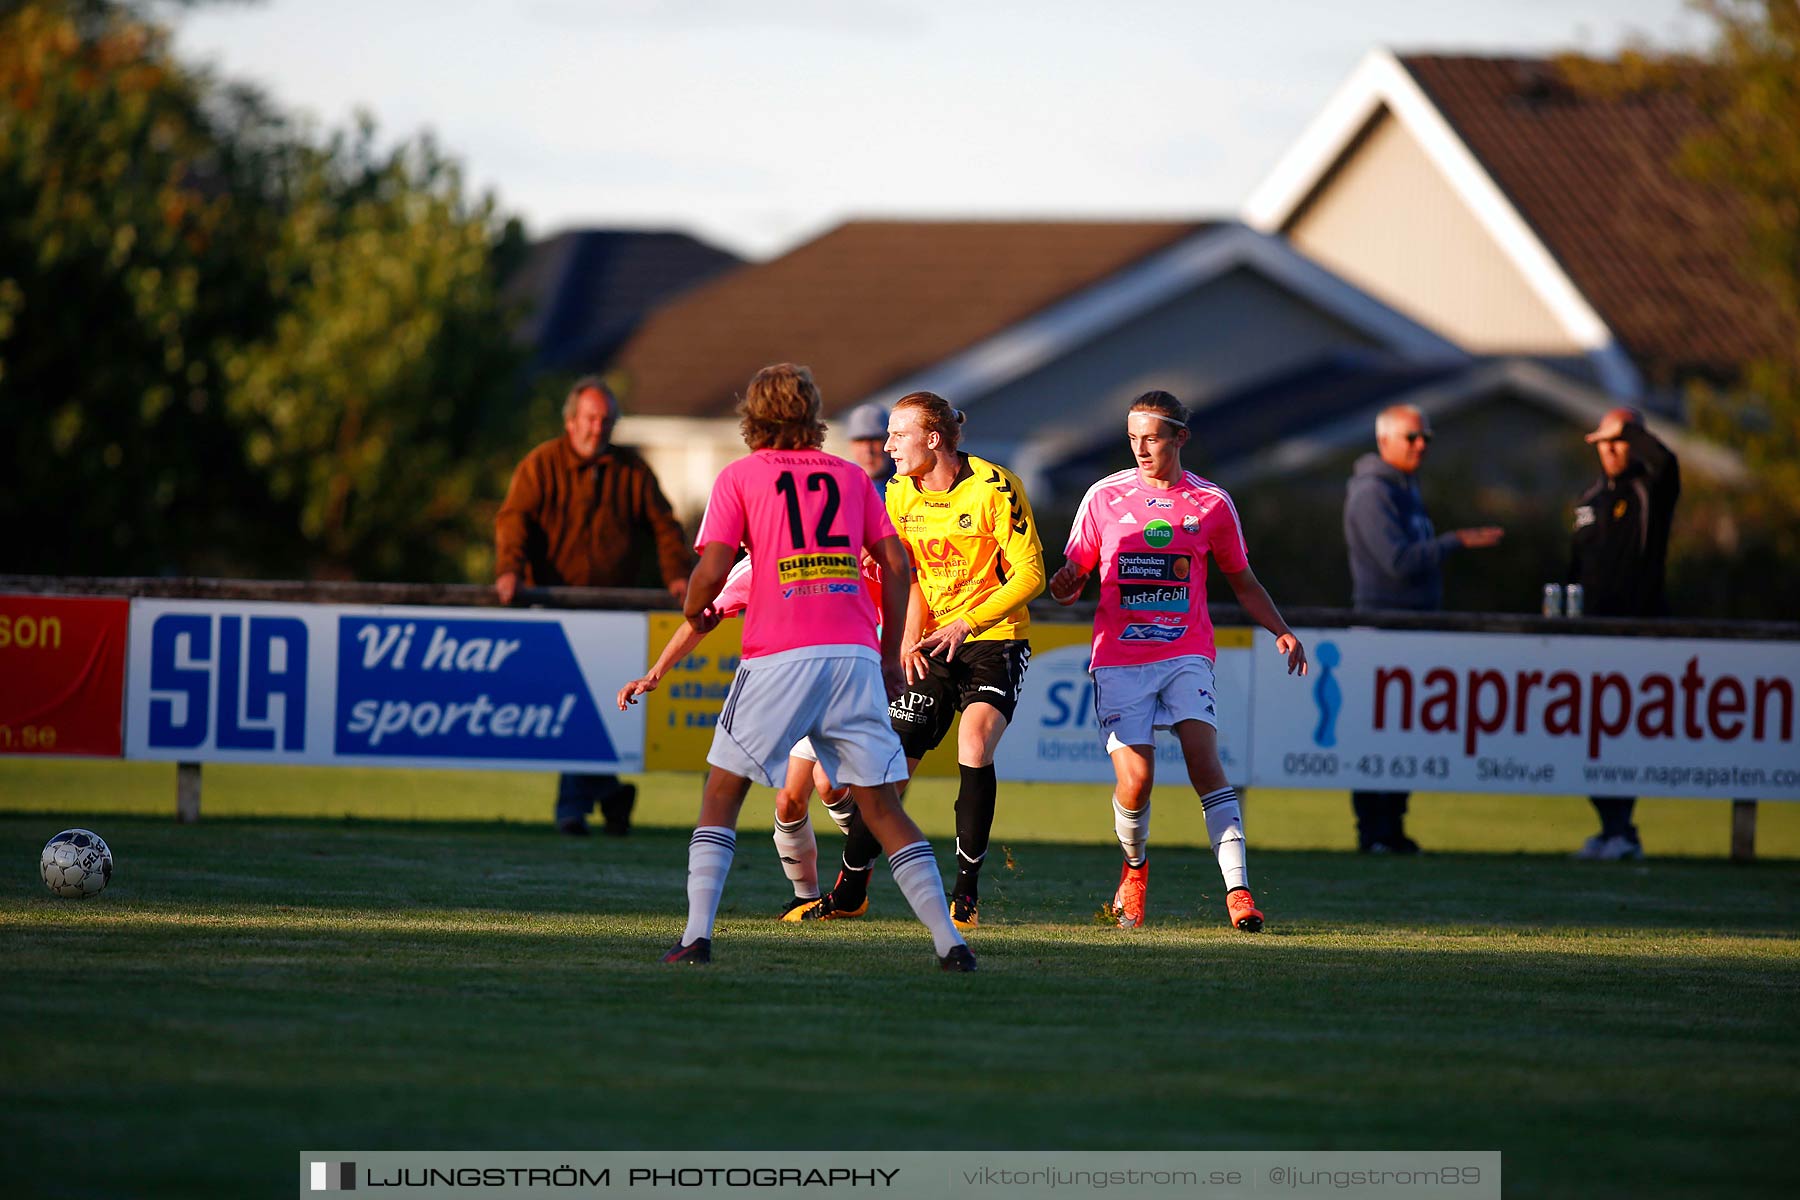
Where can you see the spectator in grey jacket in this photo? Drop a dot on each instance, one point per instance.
(1396, 561)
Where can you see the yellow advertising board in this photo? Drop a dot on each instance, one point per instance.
(681, 712)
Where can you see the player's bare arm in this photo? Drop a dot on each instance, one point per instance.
(912, 658)
(1254, 599)
(705, 584)
(896, 582)
(681, 643)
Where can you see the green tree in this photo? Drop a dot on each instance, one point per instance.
(378, 402)
(1736, 549)
(228, 344)
(122, 269)
(1751, 147)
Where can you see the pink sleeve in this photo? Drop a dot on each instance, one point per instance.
(1084, 536)
(724, 519)
(876, 524)
(734, 597)
(1227, 540)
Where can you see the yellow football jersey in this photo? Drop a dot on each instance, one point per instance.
(975, 548)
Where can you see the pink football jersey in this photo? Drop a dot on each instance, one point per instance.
(806, 517)
(1151, 546)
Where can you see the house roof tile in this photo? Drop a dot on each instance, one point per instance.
(869, 303)
(1655, 253)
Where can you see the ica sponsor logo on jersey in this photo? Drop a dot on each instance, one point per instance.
(797, 568)
(941, 556)
(1152, 566)
(1158, 533)
(1157, 597)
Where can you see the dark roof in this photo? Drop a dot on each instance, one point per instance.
(584, 291)
(1317, 392)
(1653, 252)
(869, 303)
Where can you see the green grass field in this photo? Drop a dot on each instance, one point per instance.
(249, 987)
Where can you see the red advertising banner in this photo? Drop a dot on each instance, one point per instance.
(62, 675)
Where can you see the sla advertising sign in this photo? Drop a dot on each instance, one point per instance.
(62, 675)
(1516, 713)
(382, 686)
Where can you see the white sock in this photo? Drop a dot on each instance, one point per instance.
(841, 811)
(916, 871)
(709, 861)
(799, 852)
(1132, 830)
(1225, 829)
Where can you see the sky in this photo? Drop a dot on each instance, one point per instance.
(757, 125)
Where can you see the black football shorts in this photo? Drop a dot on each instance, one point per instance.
(985, 672)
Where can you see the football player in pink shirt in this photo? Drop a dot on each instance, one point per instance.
(813, 666)
(1149, 530)
(795, 844)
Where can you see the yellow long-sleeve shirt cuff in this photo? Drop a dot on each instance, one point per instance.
(1026, 585)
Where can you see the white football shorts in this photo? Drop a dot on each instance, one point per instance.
(1131, 703)
(836, 700)
(803, 749)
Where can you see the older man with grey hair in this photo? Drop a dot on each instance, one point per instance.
(583, 511)
(866, 428)
(1396, 562)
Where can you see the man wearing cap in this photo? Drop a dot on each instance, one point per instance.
(866, 427)
(1617, 554)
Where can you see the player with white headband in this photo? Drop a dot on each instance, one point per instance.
(1149, 531)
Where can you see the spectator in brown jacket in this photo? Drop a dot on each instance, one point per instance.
(582, 512)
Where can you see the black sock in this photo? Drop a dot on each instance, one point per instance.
(861, 849)
(1615, 816)
(974, 821)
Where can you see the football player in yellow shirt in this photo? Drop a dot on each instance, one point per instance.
(977, 562)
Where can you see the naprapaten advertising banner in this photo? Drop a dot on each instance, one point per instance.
(62, 674)
(1517, 713)
(382, 686)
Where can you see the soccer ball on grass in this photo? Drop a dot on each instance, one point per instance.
(76, 864)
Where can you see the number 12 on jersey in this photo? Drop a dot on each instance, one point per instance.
(823, 536)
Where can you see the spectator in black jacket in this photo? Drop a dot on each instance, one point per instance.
(1617, 555)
